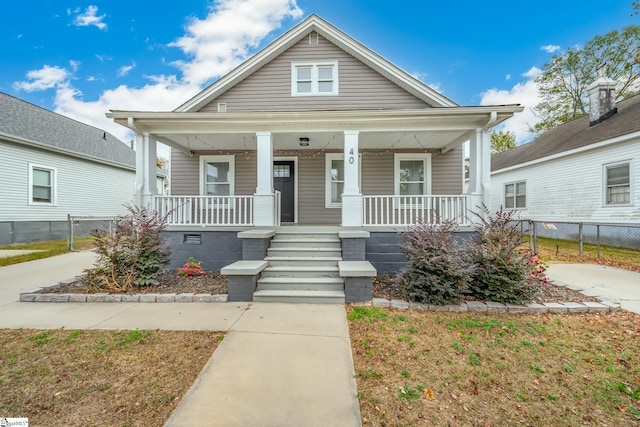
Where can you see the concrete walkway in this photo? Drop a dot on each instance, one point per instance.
(596, 280)
(279, 364)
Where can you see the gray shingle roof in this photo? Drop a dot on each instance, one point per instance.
(574, 134)
(27, 122)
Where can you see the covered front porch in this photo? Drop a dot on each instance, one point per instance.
(373, 168)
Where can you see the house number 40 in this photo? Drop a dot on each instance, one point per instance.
(351, 159)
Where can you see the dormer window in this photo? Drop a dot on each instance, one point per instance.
(314, 79)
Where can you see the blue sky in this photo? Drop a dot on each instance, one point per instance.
(82, 58)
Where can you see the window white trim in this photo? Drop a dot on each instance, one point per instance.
(314, 79)
(203, 171)
(329, 157)
(425, 157)
(515, 185)
(605, 184)
(54, 184)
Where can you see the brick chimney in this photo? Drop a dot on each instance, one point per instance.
(602, 98)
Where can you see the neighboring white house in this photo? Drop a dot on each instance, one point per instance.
(52, 166)
(585, 170)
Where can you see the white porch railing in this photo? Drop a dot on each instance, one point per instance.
(205, 210)
(406, 210)
(277, 209)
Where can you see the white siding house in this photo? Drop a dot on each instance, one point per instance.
(52, 166)
(585, 170)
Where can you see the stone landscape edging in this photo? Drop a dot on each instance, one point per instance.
(602, 304)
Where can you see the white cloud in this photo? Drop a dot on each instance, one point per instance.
(89, 18)
(45, 78)
(223, 39)
(550, 48)
(525, 94)
(507, 77)
(103, 58)
(533, 72)
(228, 35)
(74, 65)
(125, 69)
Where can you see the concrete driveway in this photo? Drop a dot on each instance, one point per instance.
(597, 280)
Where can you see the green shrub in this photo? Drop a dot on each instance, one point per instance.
(131, 255)
(501, 273)
(436, 272)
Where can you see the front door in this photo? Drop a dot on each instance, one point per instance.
(284, 182)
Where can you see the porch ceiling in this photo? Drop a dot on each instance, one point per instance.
(430, 128)
(317, 140)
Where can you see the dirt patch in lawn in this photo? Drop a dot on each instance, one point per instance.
(444, 369)
(99, 378)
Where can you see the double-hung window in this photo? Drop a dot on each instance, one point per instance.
(42, 185)
(515, 195)
(334, 179)
(314, 78)
(412, 174)
(617, 184)
(217, 175)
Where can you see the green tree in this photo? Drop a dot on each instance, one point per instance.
(502, 141)
(565, 77)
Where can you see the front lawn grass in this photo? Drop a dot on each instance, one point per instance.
(448, 369)
(98, 377)
(45, 249)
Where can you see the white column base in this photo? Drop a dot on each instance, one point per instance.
(264, 210)
(146, 199)
(352, 210)
(475, 207)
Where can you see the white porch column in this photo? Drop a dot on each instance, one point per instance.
(264, 199)
(351, 197)
(485, 173)
(480, 170)
(146, 175)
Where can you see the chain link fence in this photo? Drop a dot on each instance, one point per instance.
(82, 225)
(582, 233)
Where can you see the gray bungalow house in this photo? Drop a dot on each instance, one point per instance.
(314, 151)
(52, 166)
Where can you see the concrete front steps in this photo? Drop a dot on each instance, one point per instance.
(303, 268)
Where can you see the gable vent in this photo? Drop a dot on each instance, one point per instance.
(222, 107)
(313, 38)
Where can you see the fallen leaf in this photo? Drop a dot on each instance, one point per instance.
(429, 394)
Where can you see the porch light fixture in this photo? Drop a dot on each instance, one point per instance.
(304, 142)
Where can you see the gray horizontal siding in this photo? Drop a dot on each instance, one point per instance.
(311, 197)
(447, 172)
(377, 178)
(185, 170)
(360, 87)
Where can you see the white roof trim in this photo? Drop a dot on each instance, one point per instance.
(315, 23)
(594, 146)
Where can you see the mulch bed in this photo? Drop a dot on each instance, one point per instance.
(384, 286)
